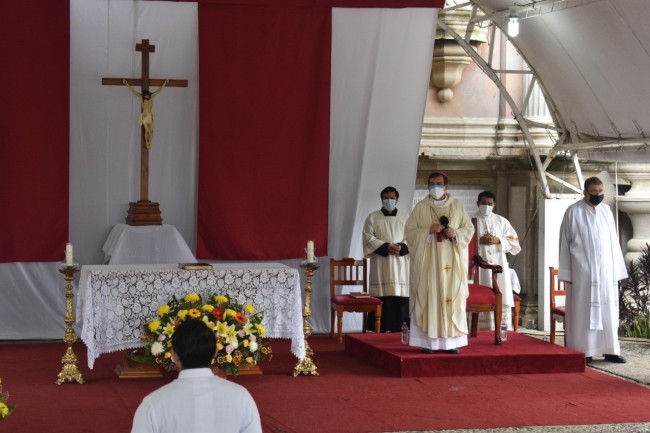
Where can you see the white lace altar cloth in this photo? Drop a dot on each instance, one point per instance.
(116, 301)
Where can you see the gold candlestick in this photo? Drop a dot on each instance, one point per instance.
(306, 365)
(70, 372)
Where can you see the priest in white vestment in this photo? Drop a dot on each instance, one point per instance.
(592, 262)
(496, 238)
(438, 233)
(385, 246)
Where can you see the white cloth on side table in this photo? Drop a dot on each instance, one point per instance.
(133, 245)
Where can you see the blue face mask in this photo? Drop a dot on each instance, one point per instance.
(389, 204)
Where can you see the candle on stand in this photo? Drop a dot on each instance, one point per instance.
(69, 258)
(310, 251)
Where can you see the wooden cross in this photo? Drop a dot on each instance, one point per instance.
(144, 212)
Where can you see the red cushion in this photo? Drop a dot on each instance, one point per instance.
(349, 300)
(559, 310)
(479, 294)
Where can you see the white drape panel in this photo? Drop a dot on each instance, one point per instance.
(381, 60)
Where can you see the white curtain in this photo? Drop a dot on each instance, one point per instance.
(381, 60)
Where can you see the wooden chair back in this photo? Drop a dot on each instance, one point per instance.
(351, 272)
(557, 301)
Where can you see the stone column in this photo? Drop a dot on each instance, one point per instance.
(636, 203)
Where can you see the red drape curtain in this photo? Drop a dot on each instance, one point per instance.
(34, 125)
(264, 131)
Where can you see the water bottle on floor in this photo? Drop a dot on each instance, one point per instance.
(405, 333)
(504, 331)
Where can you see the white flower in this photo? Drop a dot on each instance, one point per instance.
(157, 348)
(253, 346)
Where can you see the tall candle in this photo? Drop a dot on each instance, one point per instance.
(310, 251)
(69, 258)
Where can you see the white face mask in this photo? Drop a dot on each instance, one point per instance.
(389, 204)
(437, 191)
(485, 209)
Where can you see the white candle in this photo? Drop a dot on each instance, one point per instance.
(69, 258)
(310, 251)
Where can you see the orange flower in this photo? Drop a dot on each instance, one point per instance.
(239, 317)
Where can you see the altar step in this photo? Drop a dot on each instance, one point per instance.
(521, 354)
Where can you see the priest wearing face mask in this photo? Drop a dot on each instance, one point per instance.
(438, 233)
(496, 237)
(384, 245)
(592, 263)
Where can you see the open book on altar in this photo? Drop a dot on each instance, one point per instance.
(195, 266)
(360, 294)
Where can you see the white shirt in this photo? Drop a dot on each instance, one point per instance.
(198, 402)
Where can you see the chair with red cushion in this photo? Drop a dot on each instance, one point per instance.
(351, 272)
(483, 299)
(557, 292)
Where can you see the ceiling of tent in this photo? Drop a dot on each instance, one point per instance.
(592, 57)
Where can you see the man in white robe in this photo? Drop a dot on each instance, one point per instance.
(496, 238)
(592, 263)
(384, 245)
(438, 233)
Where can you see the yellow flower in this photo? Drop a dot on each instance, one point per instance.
(4, 410)
(245, 343)
(249, 360)
(229, 358)
(154, 325)
(194, 313)
(249, 308)
(168, 329)
(260, 329)
(168, 355)
(230, 312)
(248, 328)
(163, 309)
(219, 346)
(208, 308)
(182, 314)
(220, 299)
(192, 297)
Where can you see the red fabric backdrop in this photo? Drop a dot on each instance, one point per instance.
(34, 113)
(264, 131)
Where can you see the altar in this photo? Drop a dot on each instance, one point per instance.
(116, 301)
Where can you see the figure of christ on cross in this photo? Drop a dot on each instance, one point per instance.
(144, 212)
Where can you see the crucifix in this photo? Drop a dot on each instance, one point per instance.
(144, 212)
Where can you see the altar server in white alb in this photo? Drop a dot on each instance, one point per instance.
(438, 234)
(496, 238)
(592, 262)
(385, 246)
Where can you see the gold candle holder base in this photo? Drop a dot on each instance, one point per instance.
(70, 372)
(306, 365)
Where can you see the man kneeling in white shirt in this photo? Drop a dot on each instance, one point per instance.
(198, 401)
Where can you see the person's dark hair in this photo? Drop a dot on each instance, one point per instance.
(487, 194)
(438, 174)
(592, 181)
(194, 343)
(387, 190)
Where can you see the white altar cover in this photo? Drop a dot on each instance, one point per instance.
(115, 302)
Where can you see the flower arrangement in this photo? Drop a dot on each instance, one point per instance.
(5, 408)
(238, 329)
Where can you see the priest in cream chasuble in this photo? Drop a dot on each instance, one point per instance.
(438, 233)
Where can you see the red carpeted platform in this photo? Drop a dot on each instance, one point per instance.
(521, 354)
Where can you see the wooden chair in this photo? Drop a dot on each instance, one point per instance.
(351, 272)
(483, 299)
(557, 292)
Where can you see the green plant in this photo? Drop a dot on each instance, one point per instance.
(634, 297)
